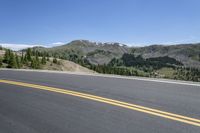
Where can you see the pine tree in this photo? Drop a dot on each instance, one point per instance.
(37, 61)
(22, 58)
(28, 53)
(7, 56)
(37, 55)
(17, 61)
(33, 64)
(55, 60)
(43, 60)
(1, 62)
(199, 57)
(33, 52)
(12, 62)
(25, 60)
(47, 56)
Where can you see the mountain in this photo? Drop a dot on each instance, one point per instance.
(103, 53)
(188, 54)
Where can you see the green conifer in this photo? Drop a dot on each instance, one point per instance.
(28, 53)
(12, 62)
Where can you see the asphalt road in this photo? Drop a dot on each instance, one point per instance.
(28, 110)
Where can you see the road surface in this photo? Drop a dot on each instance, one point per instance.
(27, 108)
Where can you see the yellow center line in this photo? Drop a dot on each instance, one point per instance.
(164, 114)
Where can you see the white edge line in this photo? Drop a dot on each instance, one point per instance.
(112, 76)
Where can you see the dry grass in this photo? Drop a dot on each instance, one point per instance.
(2, 52)
(65, 65)
(166, 72)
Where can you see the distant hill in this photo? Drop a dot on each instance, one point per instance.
(188, 54)
(103, 53)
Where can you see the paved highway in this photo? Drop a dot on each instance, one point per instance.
(41, 102)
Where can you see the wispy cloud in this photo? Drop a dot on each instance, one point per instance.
(57, 43)
(54, 44)
(189, 39)
(18, 46)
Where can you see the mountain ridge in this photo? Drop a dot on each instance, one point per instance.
(102, 53)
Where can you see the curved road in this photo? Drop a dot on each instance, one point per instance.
(29, 108)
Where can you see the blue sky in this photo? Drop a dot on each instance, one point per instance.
(134, 22)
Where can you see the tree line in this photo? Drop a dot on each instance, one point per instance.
(27, 58)
(130, 60)
(130, 65)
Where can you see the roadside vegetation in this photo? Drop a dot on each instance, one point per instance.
(131, 65)
(25, 59)
(160, 67)
(128, 64)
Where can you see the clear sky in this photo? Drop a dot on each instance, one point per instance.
(127, 21)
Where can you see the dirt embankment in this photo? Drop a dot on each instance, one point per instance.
(65, 65)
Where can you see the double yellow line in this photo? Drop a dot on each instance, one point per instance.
(168, 115)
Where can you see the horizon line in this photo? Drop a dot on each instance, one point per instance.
(20, 46)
